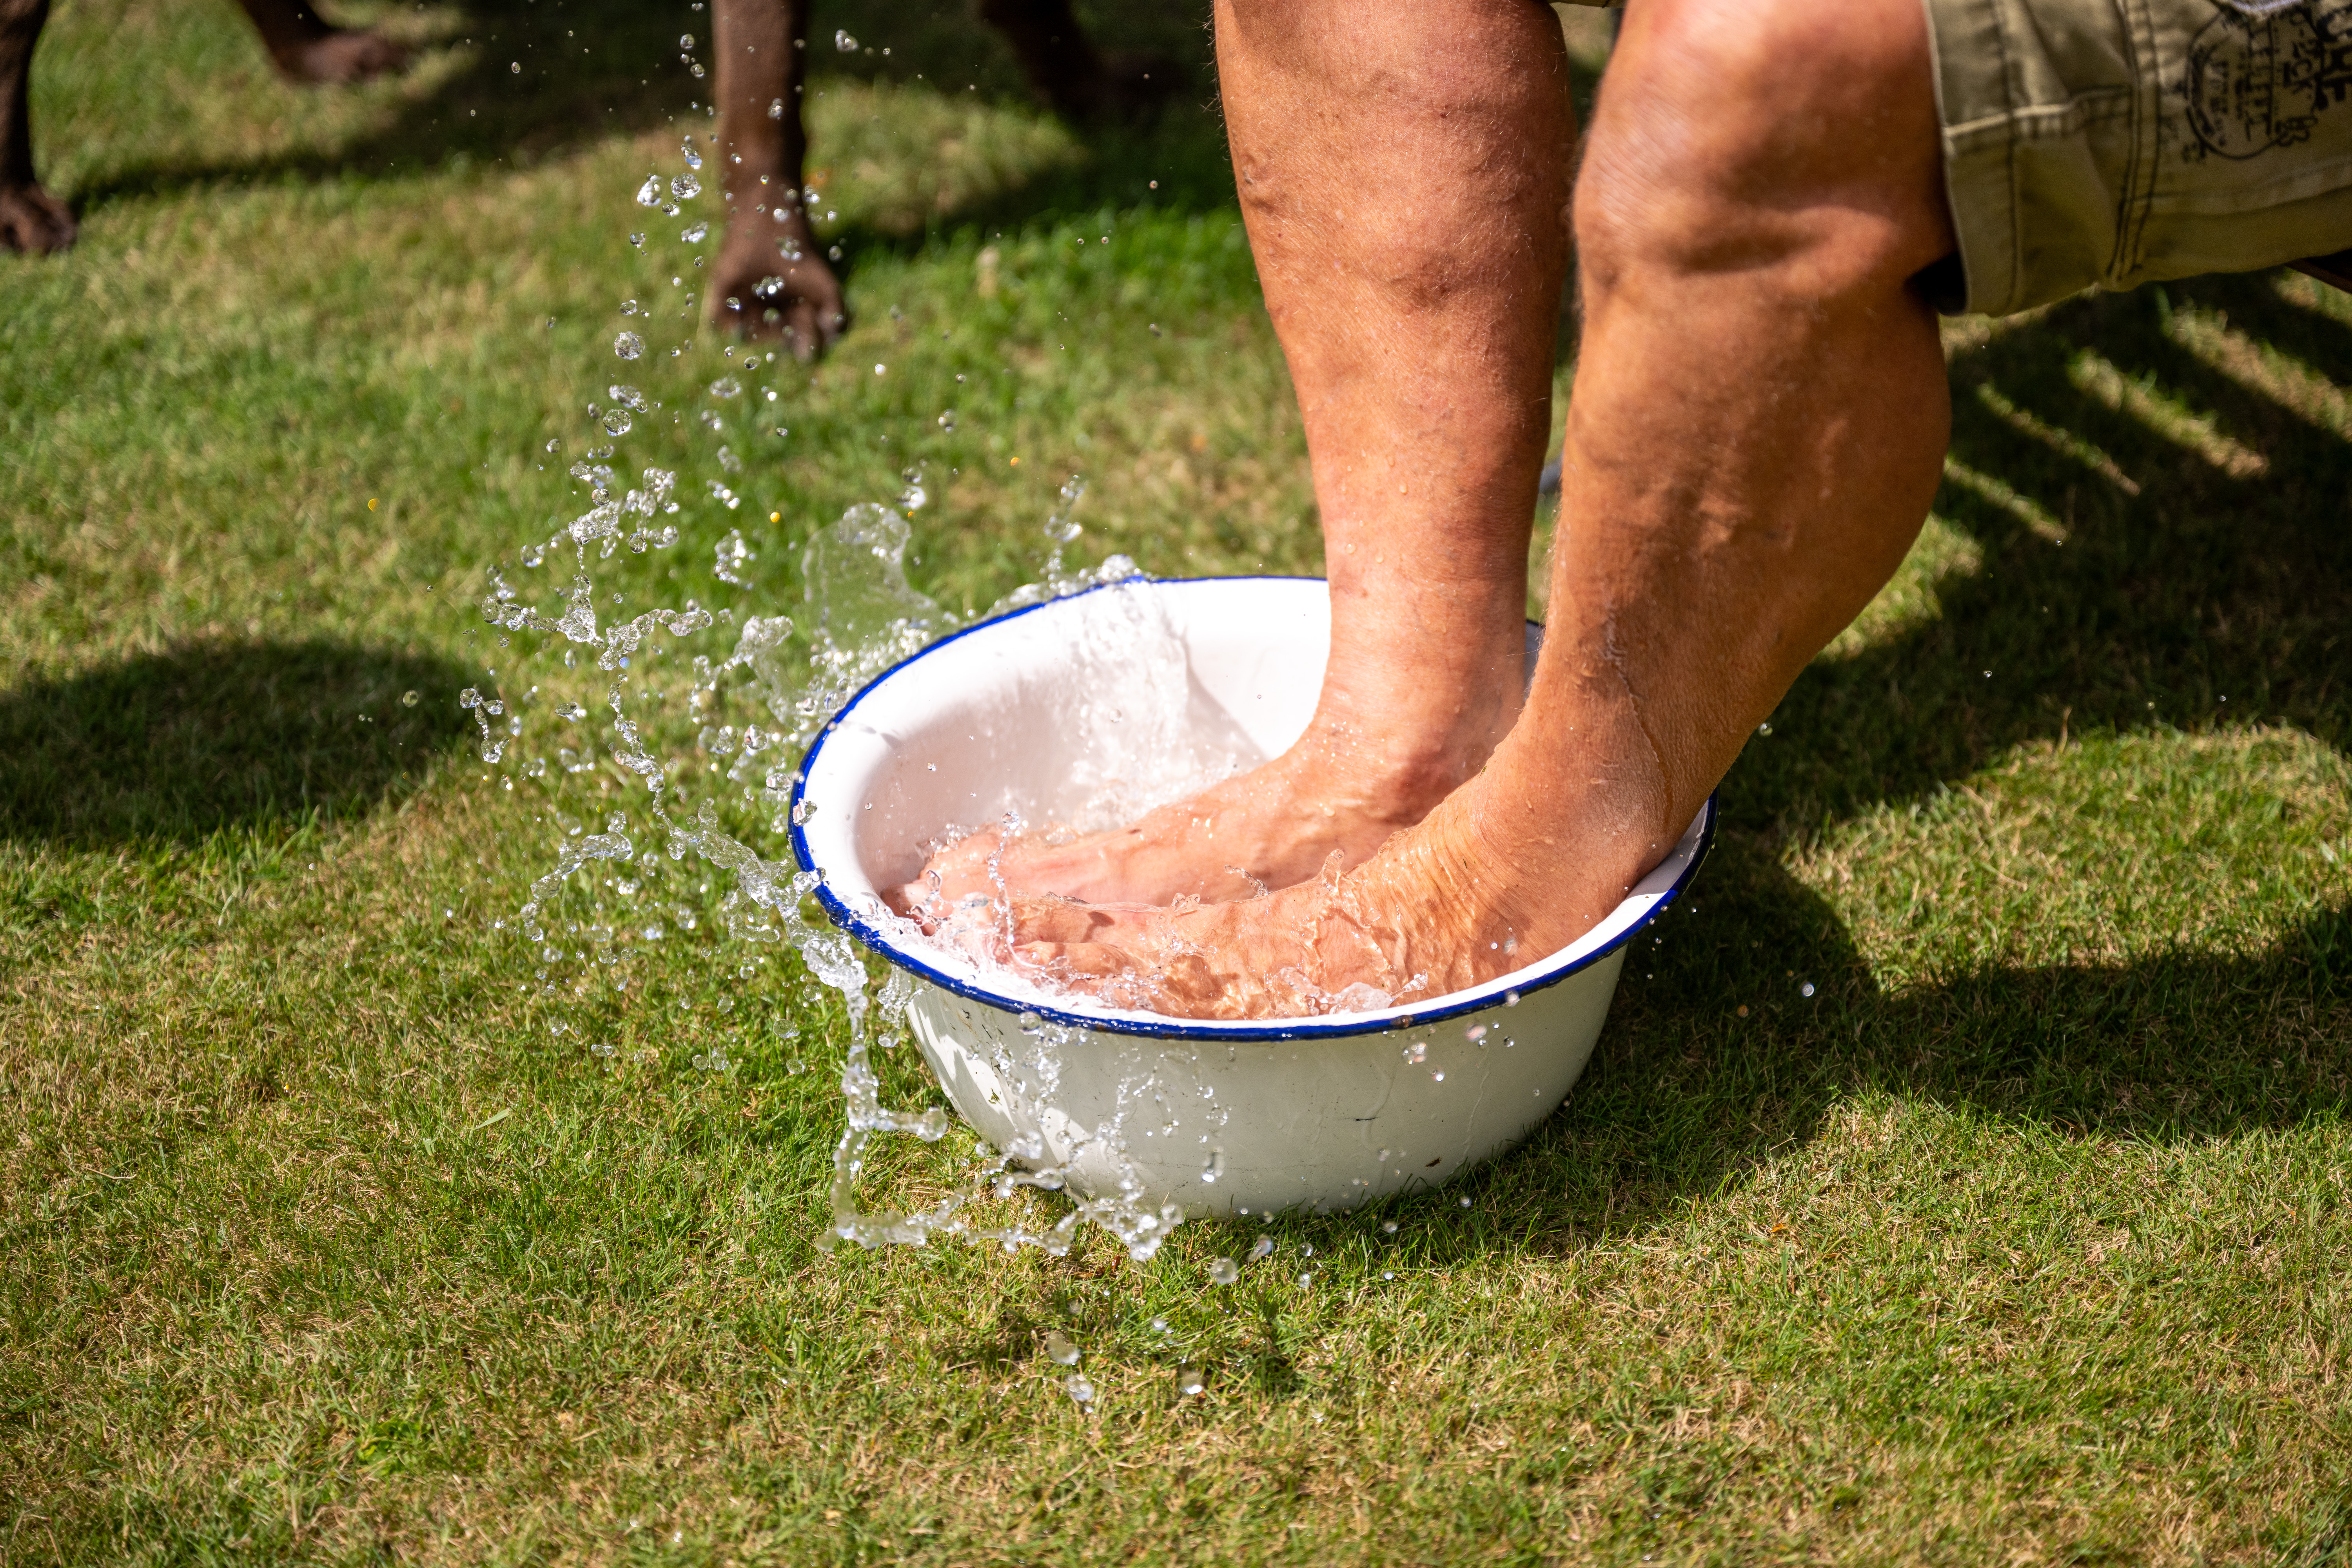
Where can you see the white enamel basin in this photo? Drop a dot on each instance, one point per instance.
(1036, 713)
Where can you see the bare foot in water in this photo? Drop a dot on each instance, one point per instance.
(1341, 789)
(1441, 907)
(1265, 829)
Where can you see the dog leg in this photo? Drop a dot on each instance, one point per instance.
(31, 219)
(1077, 81)
(771, 279)
(306, 49)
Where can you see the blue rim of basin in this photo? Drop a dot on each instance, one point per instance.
(1323, 1027)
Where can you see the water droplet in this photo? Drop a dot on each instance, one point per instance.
(843, 42)
(881, 370)
(686, 40)
(1060, 1346)
(1262, 1248)
(1223, 1271)
(1031, 1023)
(1417, 1052)
(1215, 1166)
(1080, 1389)
(1806, 989)
(1389, 1226)
(515, 68)
(1475, 1033)
(650, 195)
(1438, 1077)
(1466, 1202)
(686, 148)
(617, 421)
(1765, 728)
(685, 186)
(948, 421)
(628, 345)
(1189, 1381)
(726, 387)
(1510, 998)
(409, 699)
(695, 233)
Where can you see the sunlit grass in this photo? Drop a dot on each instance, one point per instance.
(1960, 1179)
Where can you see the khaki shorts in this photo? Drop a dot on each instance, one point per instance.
(2122, 142)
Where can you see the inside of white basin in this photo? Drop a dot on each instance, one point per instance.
(1087, 711)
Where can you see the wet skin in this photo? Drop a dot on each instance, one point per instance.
(1758, 427)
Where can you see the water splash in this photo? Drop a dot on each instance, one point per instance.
(623, 876)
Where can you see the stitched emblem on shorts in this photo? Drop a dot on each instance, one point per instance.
(2255, 81)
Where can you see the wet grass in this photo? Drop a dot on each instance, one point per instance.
(2020, 1236)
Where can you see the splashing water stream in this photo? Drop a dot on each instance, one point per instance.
(861, 616)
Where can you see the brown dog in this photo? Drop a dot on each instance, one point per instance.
(771, 278)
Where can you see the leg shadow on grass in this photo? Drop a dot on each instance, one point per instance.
(176, 746)
(2157, 491)
(1687, 1095)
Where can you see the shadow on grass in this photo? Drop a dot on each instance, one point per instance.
(1684, 1095)
(2210, 564)
(591, 68)
(178, 745)
(594, 67)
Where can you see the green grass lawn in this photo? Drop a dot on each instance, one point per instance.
(1960, 1179)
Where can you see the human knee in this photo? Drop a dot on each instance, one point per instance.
(1752, 137)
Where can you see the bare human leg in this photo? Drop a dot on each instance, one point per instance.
(1408, 209)
(306, 48)
(771, 279)
(31, 219)
(1756, 430)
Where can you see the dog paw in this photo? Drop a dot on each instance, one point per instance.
(33, 221)
(341, 57)
(761, 294)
